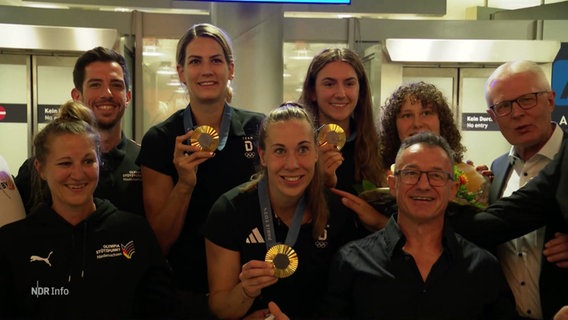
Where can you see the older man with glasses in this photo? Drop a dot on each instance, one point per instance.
(417, 267)
(520, 101)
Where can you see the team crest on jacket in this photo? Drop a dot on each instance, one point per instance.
(249, 147)
(128, 249)
(322, 243)
(116, 250)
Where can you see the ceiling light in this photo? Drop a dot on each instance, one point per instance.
(302, 51)
(166, 68)
(174, 82)
(151, 51)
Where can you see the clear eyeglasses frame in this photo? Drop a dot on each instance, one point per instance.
(525, 102)
(436, 178)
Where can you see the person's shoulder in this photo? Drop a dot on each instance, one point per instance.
(337, 211)
(13, 227)
(131, 145)
(471, 251)
(112, 218)
(239, 195)
(172, 123)
(26, 167)
(500, 159)
(110, 212)
(248, 115)
(39, 220)
(366, 245)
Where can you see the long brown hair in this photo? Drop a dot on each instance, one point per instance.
(316, 201)
(367, 155)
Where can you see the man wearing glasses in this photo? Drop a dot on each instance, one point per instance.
(417, 267)
(520, 101)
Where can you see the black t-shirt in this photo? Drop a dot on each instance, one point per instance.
(235, 223)
(228, 168)
(346, 171)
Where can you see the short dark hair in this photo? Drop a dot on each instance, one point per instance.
(430, 139)
(94, 55)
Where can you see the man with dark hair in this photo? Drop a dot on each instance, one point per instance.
(101, 81)
(417, 267)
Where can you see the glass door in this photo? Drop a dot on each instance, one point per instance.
(480, 134)
(14, 109)
(32, 88)
(52, 85)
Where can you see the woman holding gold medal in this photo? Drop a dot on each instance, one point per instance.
(336, 92)
(272, 238)
(194, 156)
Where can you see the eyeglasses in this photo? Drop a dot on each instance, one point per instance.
(526, 102)
(435, 178)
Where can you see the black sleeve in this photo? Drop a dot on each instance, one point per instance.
(336, 302)
(7, 291)
(224, 225)
(541, 200)
(156, 296)
(23, 182)
(157, 151)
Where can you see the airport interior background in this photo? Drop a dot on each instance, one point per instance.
(454, 44)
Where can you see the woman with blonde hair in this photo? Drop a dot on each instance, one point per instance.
(272, 239)
(80, 256)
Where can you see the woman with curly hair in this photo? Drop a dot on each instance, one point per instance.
(419, 107)
(414, 108)
(336, 91)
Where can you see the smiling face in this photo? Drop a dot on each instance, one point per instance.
(422, 202)
(527, 130)
(290, 157)
(206, 71)
(414, 117)
(104, 91)
(336, 93)
(71, 171)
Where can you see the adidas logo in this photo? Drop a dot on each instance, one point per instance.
(255, 237)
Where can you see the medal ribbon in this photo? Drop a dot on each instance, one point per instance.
(225, 124)
(268, 223)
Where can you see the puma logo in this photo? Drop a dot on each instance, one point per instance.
(38, 258)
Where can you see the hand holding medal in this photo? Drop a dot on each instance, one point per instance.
(284, 258)
(205, 137)
(331, 133)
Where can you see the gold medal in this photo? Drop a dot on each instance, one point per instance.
(284, 258)
(205, 137)
(333, 134)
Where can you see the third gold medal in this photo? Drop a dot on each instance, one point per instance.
(331, 133)
(282, 255)
(284, 258)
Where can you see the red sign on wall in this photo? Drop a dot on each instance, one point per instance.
(13, 113)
